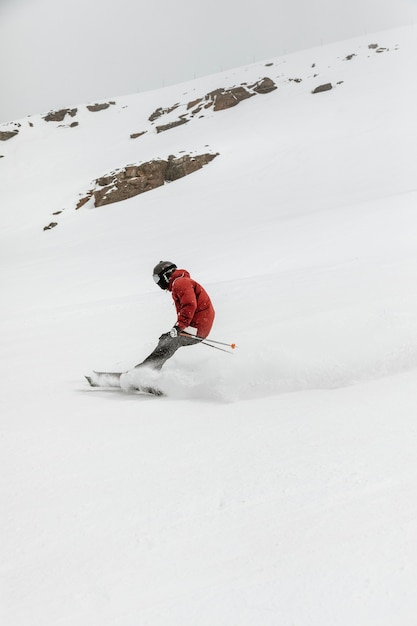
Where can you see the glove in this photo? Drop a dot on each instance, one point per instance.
(175, 331)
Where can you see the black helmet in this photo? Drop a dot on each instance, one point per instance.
(162, 273)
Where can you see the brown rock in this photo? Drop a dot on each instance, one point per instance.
(227, 98)
(325, 87)
(98, 107)
(136, 179)
(58, 116)
(179, 122)
(160, 111)
(194, 103)
(84, 200)
(51, 225)
(220, 99)
(263, 86)
(8, 134)
(182, 166)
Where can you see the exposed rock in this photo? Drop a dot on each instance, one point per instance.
(179, 122)
(136, 135)
(130, 182)
(194, 103)
(263, 86)
(98, 107)
(73, 124)
(182, 166)
(220, 99)
(199, 107)
(51, 225)
(105, 180)
(159, 112)
(373, 46)
(325, 87)
(227, 98)
(8, 134)
(136, 179)
(84, 199)
(350, 57)
(58, 116)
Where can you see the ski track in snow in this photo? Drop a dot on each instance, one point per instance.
(269, 374)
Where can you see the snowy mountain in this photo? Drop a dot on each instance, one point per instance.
(275, 485)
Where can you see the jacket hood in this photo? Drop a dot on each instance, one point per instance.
(177, 274)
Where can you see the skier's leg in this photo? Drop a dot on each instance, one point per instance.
(167, 346)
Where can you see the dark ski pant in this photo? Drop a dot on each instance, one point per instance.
(167, 346)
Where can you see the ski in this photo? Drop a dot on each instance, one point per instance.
(104, 379)
(112, 379)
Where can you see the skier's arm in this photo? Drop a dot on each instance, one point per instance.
(185, 301)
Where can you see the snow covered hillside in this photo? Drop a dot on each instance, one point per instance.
(272, 486)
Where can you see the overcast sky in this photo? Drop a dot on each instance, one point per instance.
(59, 53)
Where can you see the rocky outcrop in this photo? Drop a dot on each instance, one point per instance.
(58, 116)
(377, 48)
(50, 225)
(178, 167)
(264, 86)
(84, 199)
(136, 135)
(5, 135)
(325, 87)
(160, 112)
(99, 106)
(222, 99)
(219, 100)
(136, 179)
(182, 120)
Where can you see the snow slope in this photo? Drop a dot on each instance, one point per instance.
(273, 486)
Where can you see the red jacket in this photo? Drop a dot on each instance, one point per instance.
(194, 307)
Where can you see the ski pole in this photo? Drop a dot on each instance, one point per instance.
(210, 345)
(220, 343)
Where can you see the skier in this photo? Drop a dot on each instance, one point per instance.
(194, 309)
